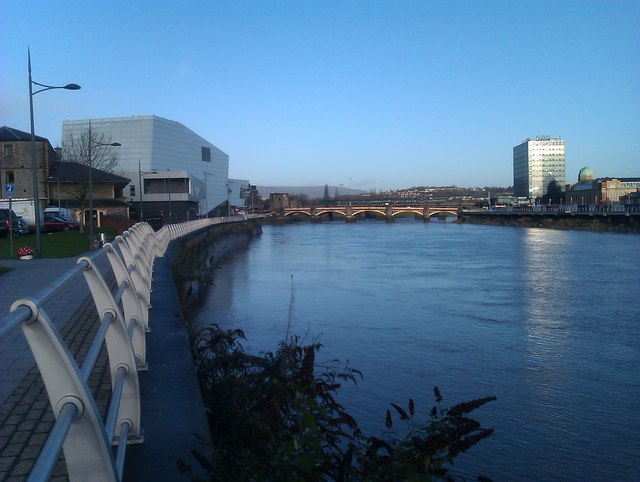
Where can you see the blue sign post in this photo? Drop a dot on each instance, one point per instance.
(9, 187)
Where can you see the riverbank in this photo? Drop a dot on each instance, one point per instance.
(196, 258)
(619, 223)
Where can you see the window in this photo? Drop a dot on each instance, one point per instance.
(132, 190)
(8, 150)
(206, 154)
(9, 177)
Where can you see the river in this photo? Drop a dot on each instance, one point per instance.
(548, 321)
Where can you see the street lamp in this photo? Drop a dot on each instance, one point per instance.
(141, 187)
(90, 144)
(36, 201)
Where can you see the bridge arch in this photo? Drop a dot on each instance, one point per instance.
(294, 213)
(379, 211)
(416, 211)
(323, 213)
(445, 211)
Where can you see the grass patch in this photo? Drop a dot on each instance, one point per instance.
(62, 244)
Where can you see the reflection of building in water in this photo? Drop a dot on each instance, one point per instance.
(546, 312)
(605, 190)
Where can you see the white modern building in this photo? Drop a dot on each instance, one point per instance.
(175, 174)
(537, 162)
(238, 192)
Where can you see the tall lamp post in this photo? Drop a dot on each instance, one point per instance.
(141, 187)
(90, 144)
(36, 201)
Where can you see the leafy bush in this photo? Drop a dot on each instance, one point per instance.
(274, 416)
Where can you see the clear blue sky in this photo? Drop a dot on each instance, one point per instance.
(369, 94)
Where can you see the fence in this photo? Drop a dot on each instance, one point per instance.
(119, 278)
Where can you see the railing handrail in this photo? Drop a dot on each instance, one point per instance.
(123, 316)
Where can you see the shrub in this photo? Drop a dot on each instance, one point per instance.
(274, 416)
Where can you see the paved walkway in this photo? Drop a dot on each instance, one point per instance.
(172, 412)
(28, 278)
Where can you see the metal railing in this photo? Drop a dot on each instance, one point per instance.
(123, 310)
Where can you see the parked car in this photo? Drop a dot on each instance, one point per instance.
(23, 226)
(55, 223)
(9, 220)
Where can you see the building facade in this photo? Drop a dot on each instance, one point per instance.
(171, 167)
(239, 190)
(60, 184)
(536, 163)
(16, 163)
(602, 191)
(69, 189)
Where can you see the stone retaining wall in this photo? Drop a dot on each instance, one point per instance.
(197, 255)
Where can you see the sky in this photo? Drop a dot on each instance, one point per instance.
(369, 94)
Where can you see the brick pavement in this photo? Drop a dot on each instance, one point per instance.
(25, 413)
(26, 416)
(28, 278)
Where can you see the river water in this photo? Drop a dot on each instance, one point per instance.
(548, 321)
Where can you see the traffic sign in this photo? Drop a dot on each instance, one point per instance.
(9, 187)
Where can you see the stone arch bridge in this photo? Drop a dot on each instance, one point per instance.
(388, 212)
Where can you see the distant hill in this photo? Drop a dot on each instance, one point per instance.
(311, 191)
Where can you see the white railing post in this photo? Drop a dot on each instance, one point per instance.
(134, 308)
(87, 451)
(119, 348)
(138, 273)
(141, 251)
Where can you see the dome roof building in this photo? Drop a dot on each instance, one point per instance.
(585, 174)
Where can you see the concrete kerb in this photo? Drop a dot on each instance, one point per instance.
(173, 414)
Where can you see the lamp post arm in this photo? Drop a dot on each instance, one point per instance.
(50, 87)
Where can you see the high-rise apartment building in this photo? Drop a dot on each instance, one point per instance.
(537, 162)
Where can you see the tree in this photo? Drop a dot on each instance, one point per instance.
(103, 158)
(554, 193)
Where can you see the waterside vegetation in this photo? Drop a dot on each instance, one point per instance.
(274, 416)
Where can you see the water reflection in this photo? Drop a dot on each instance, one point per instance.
(546, 297)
